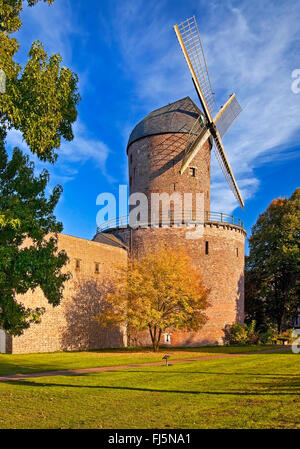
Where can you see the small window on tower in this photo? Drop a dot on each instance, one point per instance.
(131, 158)
(237, 252)
(167, 338)
(130, 181)
(77, 264)
(206, 247)
(192, 171)
(96, 267)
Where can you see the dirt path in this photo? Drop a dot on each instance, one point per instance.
(136, 365)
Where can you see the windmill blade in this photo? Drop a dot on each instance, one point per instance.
(227, 114)
(189, 39)
(194, 148)
(223, 120)
(225, 166)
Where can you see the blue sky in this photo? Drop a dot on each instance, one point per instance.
(128, 60)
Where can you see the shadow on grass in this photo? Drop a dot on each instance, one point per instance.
(269, 376)
(32, 363)
(289, 388)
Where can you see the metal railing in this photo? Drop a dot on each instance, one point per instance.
(169, 220)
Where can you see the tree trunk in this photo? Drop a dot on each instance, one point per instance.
(155, 335)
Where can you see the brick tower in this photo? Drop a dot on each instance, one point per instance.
(155, 150)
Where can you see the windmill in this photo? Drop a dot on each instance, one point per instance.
(215, 127)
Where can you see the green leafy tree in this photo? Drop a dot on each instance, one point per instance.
(160, 292)
(40, 101)
(272, 273)
(28, 252)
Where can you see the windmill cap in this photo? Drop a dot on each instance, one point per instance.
(177, 117)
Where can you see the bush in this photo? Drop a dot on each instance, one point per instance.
(240, 334)
(235, 334)
(246, 334)
(288, 334)
(268, 336)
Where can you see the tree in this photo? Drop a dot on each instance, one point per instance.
(272, 274)
(40, 101)
(160, 292)
(27, 258)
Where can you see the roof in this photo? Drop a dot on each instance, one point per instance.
(177, 117)
(109, 239)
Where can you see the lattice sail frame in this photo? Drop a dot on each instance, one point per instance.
(230, 113)
(190, 42)
(191, 39)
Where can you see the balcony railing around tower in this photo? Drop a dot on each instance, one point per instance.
(170, 219)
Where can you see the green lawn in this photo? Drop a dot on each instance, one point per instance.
(30, 363)
(256, 391)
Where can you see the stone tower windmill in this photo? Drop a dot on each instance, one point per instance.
(170, 151)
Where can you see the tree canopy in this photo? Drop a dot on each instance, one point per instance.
(27, 258)
(159, 292)
(272, 268)
(40, 100)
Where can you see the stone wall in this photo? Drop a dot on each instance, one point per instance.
(71, 325)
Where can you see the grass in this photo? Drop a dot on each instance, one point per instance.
(35, 363)
(256, 391)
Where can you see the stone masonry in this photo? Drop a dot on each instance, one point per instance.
(71, 325)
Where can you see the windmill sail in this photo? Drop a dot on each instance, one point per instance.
(190, 42)
(223, 120)
(225, 166)
(193, 148)
(227, 114)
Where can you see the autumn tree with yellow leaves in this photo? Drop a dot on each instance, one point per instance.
(160, 291)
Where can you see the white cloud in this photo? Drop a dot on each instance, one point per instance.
(52, 25)
(71, 154)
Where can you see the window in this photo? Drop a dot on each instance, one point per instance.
(96, 267)
(206, 247)
(237, 252)
(192, 171)
(130, 181)
(167, 339)
(77, 264)
(131, 158)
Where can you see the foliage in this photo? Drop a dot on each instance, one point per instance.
(272, 268)
(240, 334)
(268, 335)
(27, 258)
(40, 100)
(288, 334)
(159, 292)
